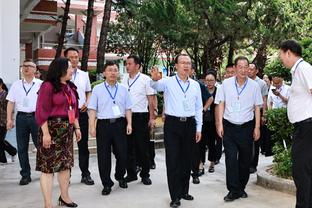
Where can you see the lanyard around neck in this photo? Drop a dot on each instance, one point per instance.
(27, 91)
(236, 86)
(129, 86)
(110, 94)
(184, 91)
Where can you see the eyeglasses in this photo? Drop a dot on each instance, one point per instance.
(29, 66)
(210, 80)
(185, 63)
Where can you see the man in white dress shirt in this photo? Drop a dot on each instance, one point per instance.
(82, 82)
(143, 100)
(183, 125)
(23, 97)
(279, 94)
(239, 100)
(299, 111)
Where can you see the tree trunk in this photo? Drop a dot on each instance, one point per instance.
(231, 52)
(261, 57)
(103, 36)
(63, 30)
(87, 36)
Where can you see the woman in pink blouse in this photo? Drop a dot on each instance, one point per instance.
(57, 116)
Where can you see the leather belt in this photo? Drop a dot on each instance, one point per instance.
(26, 113)
(308, 120)
(181, 119)
(111, 120)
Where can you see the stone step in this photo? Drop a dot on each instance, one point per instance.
(158, 137)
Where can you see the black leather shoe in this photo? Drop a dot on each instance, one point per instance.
(201, 172)
(130, 179)
(106, 190)
(243, 195)
(153, 166)
(146, 181)
(87, 180)
(175, 203)
(196, 180)
(123, 183)
(61, 202)
(25, 180)
(252, 170)
(211, 169)
(231, 197)
(187, 197)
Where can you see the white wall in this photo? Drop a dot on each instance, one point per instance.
(9, 40)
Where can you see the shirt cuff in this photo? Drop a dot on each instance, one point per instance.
(198, 128)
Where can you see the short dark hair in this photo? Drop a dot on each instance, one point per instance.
(176, 59)
(240, 58)
(70, 49)
(229, 66)
(110, 63)
(211, 72)
(291, 45)
(256, 65)
(136, 59)
(28, 60)
(57, 69)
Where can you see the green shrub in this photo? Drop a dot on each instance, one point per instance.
(281, 130)
(96, 83)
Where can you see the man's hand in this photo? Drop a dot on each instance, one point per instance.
(277, 93)
(10, 124)
(151, 123)
(84, 108)
(198, 137)
(92, 131)
(220, 130)
(155, 74)
(256, 133)
(129, 129)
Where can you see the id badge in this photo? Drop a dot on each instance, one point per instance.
(26, 102)
(236, 106)
(116, 111)
(186, 105)
(71, 116)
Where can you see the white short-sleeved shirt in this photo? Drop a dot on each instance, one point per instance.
(239, 109)
(139, 88)
(300, 99)
(102, 102)
(276, 101)
(82, 82)
(180, 104)
(263, 86)
(24, 95)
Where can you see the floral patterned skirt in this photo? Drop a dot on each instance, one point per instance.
(59, 156)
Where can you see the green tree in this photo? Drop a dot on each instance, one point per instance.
(87, 36)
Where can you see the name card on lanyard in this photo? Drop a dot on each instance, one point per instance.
(71, 111)
(26, 99)
(236, 105)
(115, 107)
(186, 102)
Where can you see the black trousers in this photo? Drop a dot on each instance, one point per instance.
(5, 146)
(196, 159)
(179, 139)
(302, 164)
(210, 140)
(25, 125)
(256, 148)
(83, 149)
(237, 141)
(151, 147)
(138, 146)
(108, 136)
